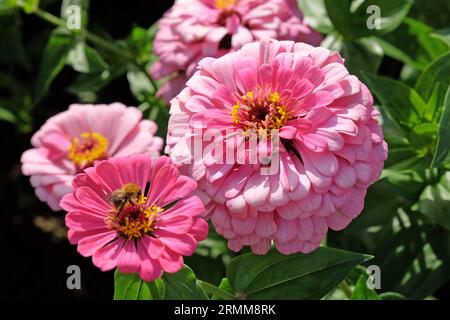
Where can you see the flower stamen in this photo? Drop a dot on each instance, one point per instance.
(134, 219)
(260, 111)
(91, 147)
(224, 4)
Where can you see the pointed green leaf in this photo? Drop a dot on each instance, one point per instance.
(225, 285)
(85, 59)
(434, 201)
(443, 141)
(183, 285)
(351, 18)
(436, 73)
(316, 15)
(402, 103)
(130, 287)
(296, 276)
(362, 55)
(53, 61)
(363, 292)
(412, 43)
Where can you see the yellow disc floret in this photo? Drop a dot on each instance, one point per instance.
(85, 150)
(235, 113)
(224, 4)
(261, 111)
(134, 219)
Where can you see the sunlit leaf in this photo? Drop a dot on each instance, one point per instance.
(296, 276)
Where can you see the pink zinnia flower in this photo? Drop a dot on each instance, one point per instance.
(75, 139)
(194, 29)
(113, 218)
(331, 144)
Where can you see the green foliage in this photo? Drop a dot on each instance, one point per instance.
(363, 292)
(54, 58)
(350, 18)
(183, 285)
(131, 287)
(403, 104)
(434, 201)
(413, 43)
(443, 143)
(297, 276)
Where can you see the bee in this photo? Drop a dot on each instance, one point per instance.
(129, 193)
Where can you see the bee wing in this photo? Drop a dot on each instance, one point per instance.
(114, 196)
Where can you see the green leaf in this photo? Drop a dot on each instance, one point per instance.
(376, 212)
(86, 59)
(362, 55)
(402, 103)
(6, 115)
(130, 287)
(53, 61)
(423, 138)
(12, 49)
(443, 34)
(339, 13)
(29, 6)
(363, 292)
(408, 184)
(433, 84)
(426, 273)
(94, 82)
(139, 43)
(434, 202)
(296, 276)
(351, 18)
(413, 44)
(15, 103)
(183, 285)
(224, 285)
(391, 296)
(437, 73)
(140, 85)
(316, 15)
(403, 156)
(443, 142)
(7, 6)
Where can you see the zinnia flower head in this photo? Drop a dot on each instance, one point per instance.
(79, 137)
(194, 29)
(134, 214)
(331, 146)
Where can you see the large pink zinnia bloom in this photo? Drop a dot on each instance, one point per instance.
(75, 139)
(144, 232)
(331, 145)
(194, 29)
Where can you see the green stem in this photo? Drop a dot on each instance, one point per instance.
(50, 18)
(105, 44)
(346, 289)
(212, 289)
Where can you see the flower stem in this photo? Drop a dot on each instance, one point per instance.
(212, 289)
(97, 40)
(346, 289)
(47, 16)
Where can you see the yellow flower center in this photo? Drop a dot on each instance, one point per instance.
(260, 111)
(134, 219)
(223, 4)
(90, 147)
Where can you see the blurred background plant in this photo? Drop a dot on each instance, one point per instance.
(45, 66)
